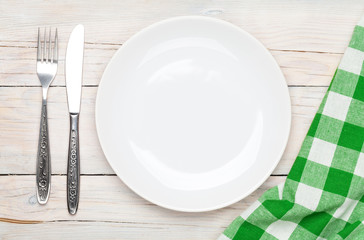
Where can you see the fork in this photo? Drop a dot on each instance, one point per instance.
(47, 61)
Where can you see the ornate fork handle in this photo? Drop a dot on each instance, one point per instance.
(73, 168)
(47, 62)
(43, 159)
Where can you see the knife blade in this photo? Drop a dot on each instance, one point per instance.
(74, 65)
(74, 62)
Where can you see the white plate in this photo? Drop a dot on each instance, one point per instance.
(193, 113)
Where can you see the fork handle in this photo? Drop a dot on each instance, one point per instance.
(43, 176)
(73, 168)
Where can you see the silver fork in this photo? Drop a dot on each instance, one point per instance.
(47, 60)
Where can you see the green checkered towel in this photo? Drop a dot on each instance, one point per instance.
(323, 196)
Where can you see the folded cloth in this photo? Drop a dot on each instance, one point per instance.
(323, 195)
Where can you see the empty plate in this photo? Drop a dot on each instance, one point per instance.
(193, 113)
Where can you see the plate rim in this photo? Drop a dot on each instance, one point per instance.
(275, 160)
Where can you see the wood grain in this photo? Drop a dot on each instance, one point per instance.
(321, 26)
(307, 38)
(109, 230)
(105, 200)
(20, 116)
(17, 67)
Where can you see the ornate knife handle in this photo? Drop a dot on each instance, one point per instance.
(43, 177)
(73, 168)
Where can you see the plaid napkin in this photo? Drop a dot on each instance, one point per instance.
(323, 196)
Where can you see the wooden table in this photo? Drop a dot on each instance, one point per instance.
(307, 38)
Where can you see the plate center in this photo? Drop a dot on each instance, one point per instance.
(194, 112)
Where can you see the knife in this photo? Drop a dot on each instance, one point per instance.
(73, 69)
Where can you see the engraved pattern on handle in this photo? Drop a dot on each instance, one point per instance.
(43, 160)
(73, 169)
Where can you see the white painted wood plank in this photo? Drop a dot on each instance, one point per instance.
(19, 129)
(107, 207)
(108, 230)
(287, 25)
(307, 39)
(17, 65)
(306, 68)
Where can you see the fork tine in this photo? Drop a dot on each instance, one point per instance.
(39, 47)
(44, 47)
(49, 46)
(55, 48)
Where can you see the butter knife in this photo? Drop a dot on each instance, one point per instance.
(73, 69)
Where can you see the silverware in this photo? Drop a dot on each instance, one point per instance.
(47, 60)
(74, 62)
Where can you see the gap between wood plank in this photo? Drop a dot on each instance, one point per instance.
(302, 51)
(18, 221)
(38, 86)
(92, 85)
(96, 174)
(120, 44)
(59, 174)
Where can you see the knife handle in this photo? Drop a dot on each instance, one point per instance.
(43, 159)
(73, 168)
